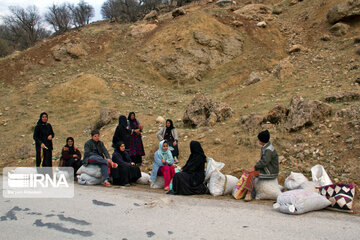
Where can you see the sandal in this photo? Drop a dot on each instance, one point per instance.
(106, 184)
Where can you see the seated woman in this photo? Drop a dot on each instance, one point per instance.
(169, 134)
(266, 168)
(126, 172)
(163, 165)
(70, 155)
(190, 180)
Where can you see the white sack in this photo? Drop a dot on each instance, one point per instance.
(144, 179)
(89, 180)
(217, 183)
(91, 170)
(309, 186)
(267, 189)
(319, 176)
(300, 201)
(294, 180)
(211, 166)
(159, 182)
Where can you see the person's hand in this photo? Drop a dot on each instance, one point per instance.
(109, 161)
(42, 145)
(49, 138)
(74, 156)
(163, 161)
(137, 131)
(175, 142)
(249, 170)
(132, 163)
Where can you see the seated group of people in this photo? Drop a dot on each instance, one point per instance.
(187, 181)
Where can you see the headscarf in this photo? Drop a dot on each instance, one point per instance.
(40, 122)
(167, 156)
(132, 122)
(117, 149)
(197, 159)
(71, 149)
(122, 121)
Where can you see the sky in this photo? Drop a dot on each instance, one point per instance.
(42, 5)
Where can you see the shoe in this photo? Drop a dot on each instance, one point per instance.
(106, 184)
(171, 192)
(248, 197)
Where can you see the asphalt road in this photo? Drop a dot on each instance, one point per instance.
(98, 212)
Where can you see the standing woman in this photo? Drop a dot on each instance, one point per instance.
(163, 165)
(136, 144)
(126, 172)
(71, 155)
(169, 134)
(122, 134)
(43, 135)
(190, 180)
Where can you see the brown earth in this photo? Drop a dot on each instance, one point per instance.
(73, 89)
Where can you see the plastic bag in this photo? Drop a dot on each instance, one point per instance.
(89, 180)
(267, 189)
(211, 166)
(91, 170)
(239, 190)
(300, 201)
(319, 176)
(144, 179)
(159, 182)
(294, 180)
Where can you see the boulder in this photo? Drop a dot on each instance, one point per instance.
(151, 15)
(352, 112)
(339, 29)
(261, 24)
(202, 111)
(178, 12)
(253, 78)
(161, 120)
(277, 114)
(25, 151)
(141, 29)
(76, 51)
(284, 69)
(106, 116)
(343, 97)
(343, 10)
(305, 113)
(296, 48)
(252, 121)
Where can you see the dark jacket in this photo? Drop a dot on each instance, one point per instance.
(41, 133)
(268, 165)
(94, 148)
(67, 155)
(121, 159)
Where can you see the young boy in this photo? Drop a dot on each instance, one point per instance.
(266, 168)
(96, 153)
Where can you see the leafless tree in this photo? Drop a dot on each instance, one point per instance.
(25, 26)
(81, 13)
(59, 16)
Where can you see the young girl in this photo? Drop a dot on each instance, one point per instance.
(163, 165)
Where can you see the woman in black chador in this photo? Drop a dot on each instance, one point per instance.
(190, 180)
(122, 133)
(126, 172)
(43, 135)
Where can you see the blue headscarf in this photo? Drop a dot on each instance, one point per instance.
(164, 155)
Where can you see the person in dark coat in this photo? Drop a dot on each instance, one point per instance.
(71, 155)
(43, 135)
(190, 180)
(126, 172)
(136, 144)
(122, 134)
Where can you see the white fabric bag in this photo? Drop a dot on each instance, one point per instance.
(89, 180)
(159, 182)
(267, 189)
(211, 166)
(319, 176)
(144, 179)
(221, 184)
(300, 201)
(294, 180)
(91, 170)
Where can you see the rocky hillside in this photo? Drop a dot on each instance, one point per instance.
(289, 66)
